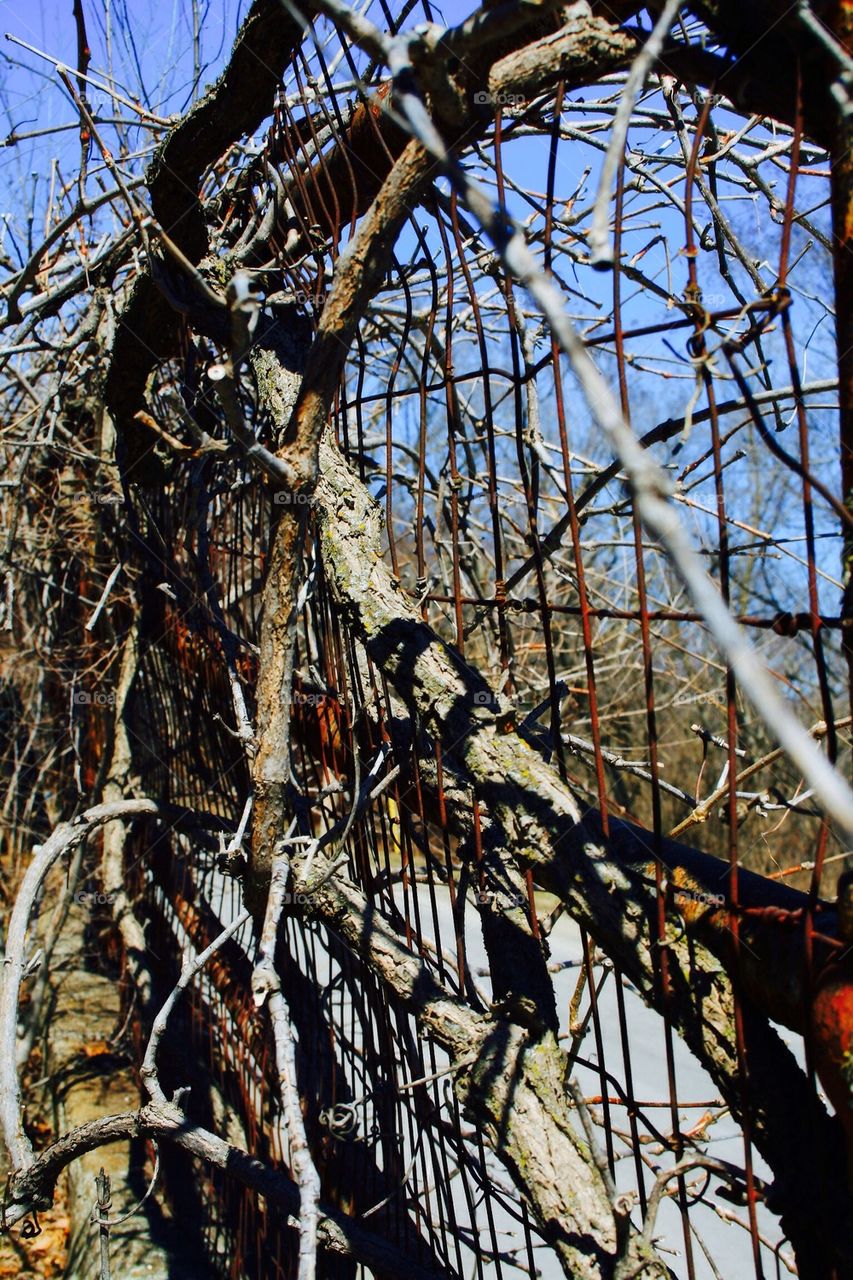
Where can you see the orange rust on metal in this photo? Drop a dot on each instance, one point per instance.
(840, 20)
(832, 1038)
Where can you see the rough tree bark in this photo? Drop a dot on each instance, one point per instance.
(509, 1072)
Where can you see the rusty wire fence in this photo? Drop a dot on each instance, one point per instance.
(507, 522)
(510, 526)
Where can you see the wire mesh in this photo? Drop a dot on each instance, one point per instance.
(509, 524)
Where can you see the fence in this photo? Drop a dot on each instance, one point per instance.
(511, 530)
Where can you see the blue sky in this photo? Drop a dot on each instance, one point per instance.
(152, 55)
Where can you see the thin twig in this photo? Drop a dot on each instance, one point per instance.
(599, 239)
(266, 989)
(148, 1070)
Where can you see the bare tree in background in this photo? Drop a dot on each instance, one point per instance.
(426, 651)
